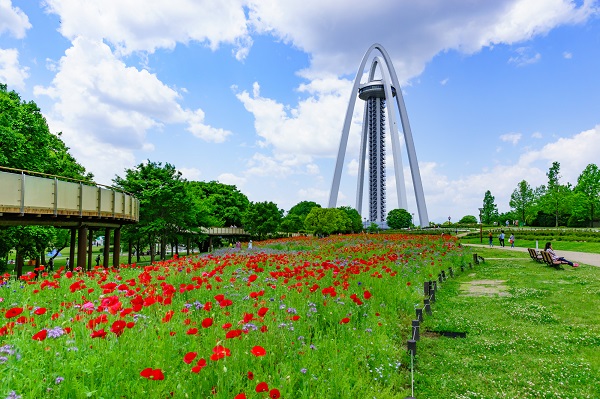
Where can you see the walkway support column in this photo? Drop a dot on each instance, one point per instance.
(71, 258)
(81, 247)
(106, 247)
(90, 249)
(117, 248)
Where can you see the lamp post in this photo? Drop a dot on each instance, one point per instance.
(480, 225)
(449, 219)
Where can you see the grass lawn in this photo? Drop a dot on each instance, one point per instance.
(558, 245)
(534, 334)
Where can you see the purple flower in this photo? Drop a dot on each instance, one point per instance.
(13, 395)
(59, 380)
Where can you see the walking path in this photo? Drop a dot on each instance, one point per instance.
(579, 257)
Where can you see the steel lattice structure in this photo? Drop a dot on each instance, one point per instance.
(376, 114)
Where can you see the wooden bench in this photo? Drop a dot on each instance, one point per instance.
(535, 255)
(548, 260)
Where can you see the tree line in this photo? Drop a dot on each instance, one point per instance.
(172, 209)
(550, 205)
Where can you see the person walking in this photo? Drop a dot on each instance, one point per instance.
(501, 238)
(98, 260)
(511, 239)
(491, 238)
(250, 245)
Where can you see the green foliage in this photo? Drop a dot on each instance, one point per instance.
(490, 210)
(26, 142)
(294, 220)
(522, 201)
(468, 219)
(352, 219)
(325, 221)
(262, 218)
(399, 219)
(588, 188)
(166, 208)
(218, 204)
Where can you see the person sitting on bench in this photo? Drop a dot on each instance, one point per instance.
(556, 258)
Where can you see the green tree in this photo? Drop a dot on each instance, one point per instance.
(262, 218)
(468, 219)
(588, 184)
(522, 201)
(557, 198)
(490, 210)
(166, 209)
(294, 220)
(353, 221)
(398, 219)
(325, 221)
(26, 142)
(218, 204)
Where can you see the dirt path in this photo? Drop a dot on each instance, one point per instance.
(579, 257)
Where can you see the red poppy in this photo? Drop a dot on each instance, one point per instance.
(344, 320)
(240, 396)
(274, 393)
(367, 295)
(189, 357)
(258, 351)
(151, 374)
(118, 326)
(264, 328)
(98, 334)
(226, 326)
(40, 311)
(199, 366)
(219, 352)
(250, 375)
(262, 311)
(13, 312)
(207, 322)
(192, 331)
(40, 335)
(262, 387)
(233, 333)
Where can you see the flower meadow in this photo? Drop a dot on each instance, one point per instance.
(293, 318)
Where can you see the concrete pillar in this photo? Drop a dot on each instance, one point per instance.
(117, 248)
(81, 247)
(90, 248)
(72, 249)
(106, 247)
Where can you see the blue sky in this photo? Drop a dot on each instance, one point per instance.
(254, 92)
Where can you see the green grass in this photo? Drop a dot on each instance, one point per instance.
(541, 340)
(557, 244)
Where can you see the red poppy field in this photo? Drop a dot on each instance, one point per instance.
(294, 318)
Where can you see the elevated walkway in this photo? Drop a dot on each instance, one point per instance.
(31, 198)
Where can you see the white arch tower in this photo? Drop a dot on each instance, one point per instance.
(375, 93)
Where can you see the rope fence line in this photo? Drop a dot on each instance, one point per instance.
(429, 290)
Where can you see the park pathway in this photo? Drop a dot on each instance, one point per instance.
(579, 257)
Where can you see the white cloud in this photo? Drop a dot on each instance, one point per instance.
(567, 55)
(444, 81)
(11, 72)
(191, 174)
(141, 25)
(13, 20)
(98, 97)
(513, 138)
(524, 56)
(328, 30)
(536, 135)
(463, 196)
(230, 178)
(313, 128)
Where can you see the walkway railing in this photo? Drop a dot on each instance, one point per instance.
(31, 193)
